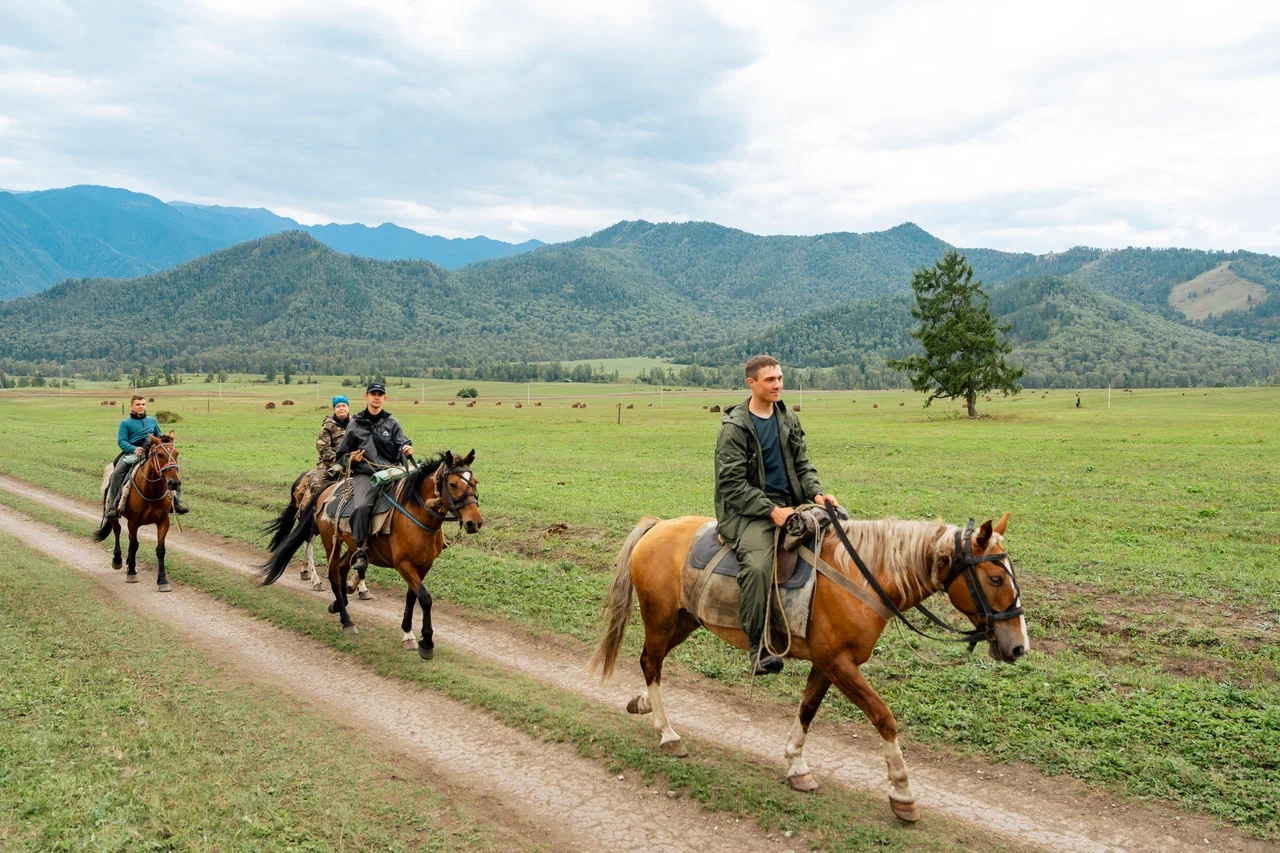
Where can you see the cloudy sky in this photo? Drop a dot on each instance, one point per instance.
(1010, 125)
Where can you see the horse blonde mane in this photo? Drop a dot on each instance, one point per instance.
(911, 555)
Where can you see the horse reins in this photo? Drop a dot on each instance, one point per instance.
(469, 497)
(155, 463)
(963, 562)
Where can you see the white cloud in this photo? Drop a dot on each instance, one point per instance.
(1014, 125)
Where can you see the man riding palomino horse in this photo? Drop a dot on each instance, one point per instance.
(373, 440)
(762, 473)
(132, 437)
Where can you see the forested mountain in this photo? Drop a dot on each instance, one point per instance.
(287, 299)
(90, 231)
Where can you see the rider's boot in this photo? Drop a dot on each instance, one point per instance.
(763, 662)
(360, 562)
(113, 511)
(178, 506)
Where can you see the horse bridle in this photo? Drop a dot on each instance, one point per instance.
(963, 562)
(469, 497)
(153, 452)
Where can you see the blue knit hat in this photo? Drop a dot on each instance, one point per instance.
(341, 399)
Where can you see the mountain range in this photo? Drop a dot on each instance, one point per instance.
(92, 231)
(692, 292)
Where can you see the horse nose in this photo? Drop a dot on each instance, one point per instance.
(1018, 651)
(473, 526)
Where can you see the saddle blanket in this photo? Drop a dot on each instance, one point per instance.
(383, 511)
(709, 580)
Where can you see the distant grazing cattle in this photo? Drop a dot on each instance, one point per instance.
(286, 402)
(270, 405)
(715, 408)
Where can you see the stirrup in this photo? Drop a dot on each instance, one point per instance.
(764, 662)
(360, 560)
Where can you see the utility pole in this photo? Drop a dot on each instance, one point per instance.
(1108, 395)
(800, 379)
(528, 393)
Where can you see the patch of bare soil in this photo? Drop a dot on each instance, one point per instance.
(1055, 813)
(540, 790)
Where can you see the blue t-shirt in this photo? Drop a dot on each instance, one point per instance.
(775, 470)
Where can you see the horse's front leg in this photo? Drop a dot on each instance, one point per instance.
(131, 576)
(417, 592)
(798, 774)
(162, 579)
(338, 566)
(848, 677)
(406, 624)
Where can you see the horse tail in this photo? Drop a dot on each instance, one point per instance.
(104, 531)
(279, 527)
(289, 545)
(618, 604)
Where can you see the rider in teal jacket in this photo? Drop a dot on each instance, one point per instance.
(135, 433)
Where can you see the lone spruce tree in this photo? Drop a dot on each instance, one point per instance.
(964, 347)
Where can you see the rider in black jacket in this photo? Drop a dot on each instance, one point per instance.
(373, 440)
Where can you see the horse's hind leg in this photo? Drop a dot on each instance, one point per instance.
(338, 567)
(656, 647)
(798, 773)
(846, 675)
(362, 591)
(116, 562)
(131, 576)
(317, 582)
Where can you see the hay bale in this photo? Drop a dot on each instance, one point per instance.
(704, 407)
(796, 409)
(415, 402)
(270, 405)
(651, 405)
(902, 404)
(582, 405)
(151, 399)
(111, 402)
(538, 404)
(497, 402)
(715, 409)
(106, 402)
(519, 405)
(471, 405)
(875, 405)
(854, 400)
(286, 402)
(452, 403)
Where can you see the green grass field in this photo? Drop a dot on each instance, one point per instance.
(1146, 537)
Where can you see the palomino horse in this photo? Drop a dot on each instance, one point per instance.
(150, 501)
(280, 527)
(911, 560)
(443, 489)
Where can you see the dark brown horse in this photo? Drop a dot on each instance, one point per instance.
(154, 479)
(441, 490)
(911, 560)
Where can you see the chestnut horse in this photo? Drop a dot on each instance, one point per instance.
(440, 490)
(911, 560)
(150, 501)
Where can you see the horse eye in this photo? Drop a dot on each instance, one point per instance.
(996, 580)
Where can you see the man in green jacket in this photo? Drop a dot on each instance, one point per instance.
(762, 473)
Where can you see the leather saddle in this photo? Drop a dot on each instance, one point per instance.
(381, 504)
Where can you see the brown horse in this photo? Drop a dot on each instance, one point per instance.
(440, 490)
(911, 560)
(150, 501)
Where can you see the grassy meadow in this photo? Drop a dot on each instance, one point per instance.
(1145, 535)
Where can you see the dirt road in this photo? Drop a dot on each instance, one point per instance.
(1019, 803)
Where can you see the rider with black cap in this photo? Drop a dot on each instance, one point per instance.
(373, 440)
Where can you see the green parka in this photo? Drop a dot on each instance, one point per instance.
(740, 492)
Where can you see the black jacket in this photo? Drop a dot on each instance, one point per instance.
(380, 437)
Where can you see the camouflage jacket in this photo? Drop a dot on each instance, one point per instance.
(331, 432)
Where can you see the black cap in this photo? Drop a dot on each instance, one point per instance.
(375, 386)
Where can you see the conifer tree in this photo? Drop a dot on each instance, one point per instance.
(964, 347)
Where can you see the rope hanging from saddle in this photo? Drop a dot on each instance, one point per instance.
(963, 562)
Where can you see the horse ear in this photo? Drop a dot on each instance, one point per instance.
(448, 458)
(471, 457)
(984, 535)
(154, 439)
(1002, 525)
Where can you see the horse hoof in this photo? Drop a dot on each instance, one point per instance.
(164, 587)
(803, 782)
(426, 652)
(350, 630)
(408, 643)
(116, 564)
(333, 607)
(318, 585)
(131, 578)
(306, 575)
(674, 748)
(905, 810)
(634, 706)
(364, 595)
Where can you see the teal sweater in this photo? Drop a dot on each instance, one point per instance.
(133, 432)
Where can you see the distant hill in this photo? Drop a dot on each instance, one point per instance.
(91, 231)
(287, 298)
